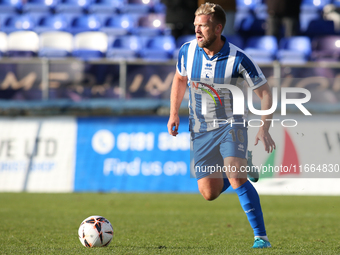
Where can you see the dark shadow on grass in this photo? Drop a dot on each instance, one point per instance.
(160, 247)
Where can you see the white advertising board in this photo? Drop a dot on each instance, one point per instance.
(307, 157)
(51, 167)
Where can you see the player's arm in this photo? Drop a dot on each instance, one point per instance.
(264, 93)
(179, 85)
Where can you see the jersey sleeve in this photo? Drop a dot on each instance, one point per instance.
(182, 60)
(251, 72)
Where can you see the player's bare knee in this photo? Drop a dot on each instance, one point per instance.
(209, 195)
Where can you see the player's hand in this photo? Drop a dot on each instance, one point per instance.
(266, 139)
(173, 124)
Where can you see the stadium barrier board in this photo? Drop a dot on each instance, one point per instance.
(136, 154)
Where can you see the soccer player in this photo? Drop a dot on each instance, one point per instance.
(212, 67)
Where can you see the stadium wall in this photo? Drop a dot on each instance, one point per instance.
(135, 154)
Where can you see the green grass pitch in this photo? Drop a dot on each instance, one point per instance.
(167, 224)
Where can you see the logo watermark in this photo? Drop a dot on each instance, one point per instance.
(238, 101)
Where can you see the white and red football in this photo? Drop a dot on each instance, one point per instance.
(95, 231)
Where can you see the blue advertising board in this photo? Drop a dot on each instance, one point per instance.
(132, 154)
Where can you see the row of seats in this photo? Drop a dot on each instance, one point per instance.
(147, 24)
(86, 45)
(317, 26)
(89, 45)
(251, 17)
(294, 50)
(76, 6)
(120, 24)
(68, 15)
(260, 7)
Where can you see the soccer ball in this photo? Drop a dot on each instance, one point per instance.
(95, 231)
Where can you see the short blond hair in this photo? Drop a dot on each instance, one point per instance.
(216, 11)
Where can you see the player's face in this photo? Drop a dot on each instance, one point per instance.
(205, 31)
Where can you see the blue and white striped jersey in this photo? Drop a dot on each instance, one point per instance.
(210, 99)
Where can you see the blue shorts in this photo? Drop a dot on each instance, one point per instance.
(210, 148)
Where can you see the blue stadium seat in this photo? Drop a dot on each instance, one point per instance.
(183, 39)
(10, 6)
(159, 48)
(239, 17)
(252, 26)
(246, 5)
(319, 27)
(326, 48)
(306, 18)
(103, 16)
(236, 40)
(55, 44)
(39, 5)
(138, 6)
(56, 22)
(262, 48)
(119, 25)
(17, 23)
(159, 7)
(150, 25)
(106, 6)
(73, 6)
(70, 17)
(90, 45)
(260, 9)
(85, 23)
(3, 18)
(126, 47)
(23, 44)
(313, 5)
(294, 50)
(247, 8)
(37, 16)
(3, 44)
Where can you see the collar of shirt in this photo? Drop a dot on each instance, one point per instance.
(223, 53)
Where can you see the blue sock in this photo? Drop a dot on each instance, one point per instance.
(226, 184)
(250, 203)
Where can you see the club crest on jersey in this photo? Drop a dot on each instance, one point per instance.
(207, 74)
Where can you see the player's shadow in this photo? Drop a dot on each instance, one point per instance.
(160, 247)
